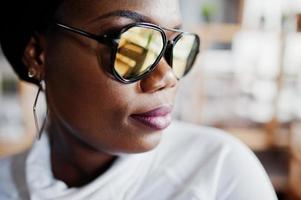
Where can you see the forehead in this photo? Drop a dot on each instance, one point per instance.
(162, 12)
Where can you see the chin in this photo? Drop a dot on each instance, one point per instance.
(143, 144)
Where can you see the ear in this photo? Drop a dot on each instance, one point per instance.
(34, 57)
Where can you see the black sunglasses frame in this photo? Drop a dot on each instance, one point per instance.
(113, 42)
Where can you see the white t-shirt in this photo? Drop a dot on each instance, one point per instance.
(190, 163)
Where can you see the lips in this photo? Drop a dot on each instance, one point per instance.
(157, 119)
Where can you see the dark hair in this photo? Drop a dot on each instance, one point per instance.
(19, 21)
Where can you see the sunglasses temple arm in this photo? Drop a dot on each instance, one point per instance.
(104, 39)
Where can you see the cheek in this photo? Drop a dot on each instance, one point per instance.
(81, 93)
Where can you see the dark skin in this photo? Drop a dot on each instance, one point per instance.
(89, 123)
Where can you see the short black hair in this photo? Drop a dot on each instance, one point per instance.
(19, 21)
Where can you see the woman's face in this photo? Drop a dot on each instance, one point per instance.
(86, 100)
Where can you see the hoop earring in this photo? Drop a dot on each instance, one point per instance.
(38, 128)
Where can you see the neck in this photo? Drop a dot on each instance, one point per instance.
(72, 160)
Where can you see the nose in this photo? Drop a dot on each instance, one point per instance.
(161, 78)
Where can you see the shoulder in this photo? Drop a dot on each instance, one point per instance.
(212, 160)
(12, 176)
(6, 178)
(5, 170)
(5, 164)
(202, 140)
(185, 138)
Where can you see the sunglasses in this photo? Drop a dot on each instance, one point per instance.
(138, 48)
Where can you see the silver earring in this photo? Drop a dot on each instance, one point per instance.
(38, 128)
(32, 72)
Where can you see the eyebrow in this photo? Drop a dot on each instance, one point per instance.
(124, 13)
(137, 17)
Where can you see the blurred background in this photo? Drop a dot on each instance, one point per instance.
(246, 81)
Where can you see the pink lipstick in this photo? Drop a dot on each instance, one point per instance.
(157, 119)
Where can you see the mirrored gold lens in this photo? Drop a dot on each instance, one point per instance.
(138, 50)
(184, 53)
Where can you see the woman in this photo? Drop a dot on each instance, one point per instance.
(105, 67)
